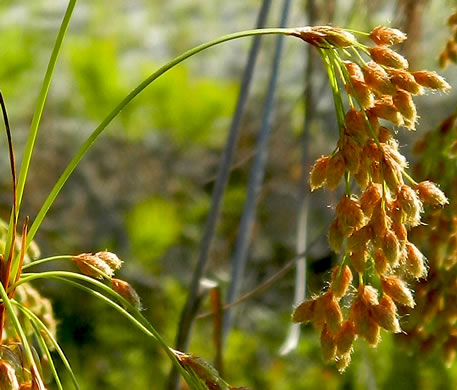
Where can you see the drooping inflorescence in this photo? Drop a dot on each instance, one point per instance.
(371, 227)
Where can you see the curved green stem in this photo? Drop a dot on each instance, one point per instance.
(37, 117)
(46, 260)
(88, 143)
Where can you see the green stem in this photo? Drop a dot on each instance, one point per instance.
(37, 117)
(46, 260)
(17, 326)
(88, 143)
(409, 178)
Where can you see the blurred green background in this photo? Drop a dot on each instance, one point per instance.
(144, 190)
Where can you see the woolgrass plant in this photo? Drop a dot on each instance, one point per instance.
(369, 83)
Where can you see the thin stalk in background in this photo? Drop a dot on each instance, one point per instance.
(293, 336)
(255, 180)
(220, 185)
(191, 306)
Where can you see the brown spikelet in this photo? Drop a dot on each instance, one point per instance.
(397, 290)
(354, 70)
(336, 36)
(391, 248)
(341, 280)
(380, 262)
(405, 80)
(359, 239)
(370, 198)
(377, 78)
(126, 291)
(452, 20)
(384, 135)
(379, 221)
(354, 123)
(93, 266)
(383, 55)
(385, 314)
(400, 231)
(432, 80)
(362, 176)
(350, 215)
(335, 236)
(358, 260)
(387, 36)
(372, 333)
(318, 175)
(403, 102)
(304, 312)
(351, 151)
(336, 169)
(345, 337)
(360, 90)
(443, 59)
(410, 204)
(333, 314)
(430, 194)
(385, 109)
(328, 345)
(415, 261)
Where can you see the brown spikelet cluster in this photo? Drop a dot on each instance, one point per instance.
(432, 325)
(449, 52)
(370, 228)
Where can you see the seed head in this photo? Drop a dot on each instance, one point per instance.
(350, 215)
(405, 80)
(415, 261)
(385, 109)
(336, 36)
(354, 123)
(380, 262)
(370, 198)
(358, 260)
(8, 379)
(328, 345)
(377, 78)
(391, 248)
(91, 265)
(385, 314)
(359, 239)
(335, 236)
(384, 135)
(452, 20)
(351, 151)
(345, 337)
(432, 80)
(333, 314)
(396, 288)
(383, 55)
(410, 204)
(304, 312)
(403, 102)
(387, 36)
(110, 259)
(430, 194)
(360, 90)
(341, 280)
(126, 291)
(362, 176)
(318, 175)
(336, 169)
(379, 221)
(354, 70)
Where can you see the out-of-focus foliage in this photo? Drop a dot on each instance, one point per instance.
(144, 190)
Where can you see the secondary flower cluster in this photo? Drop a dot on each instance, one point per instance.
(449, 53)
(102, 265)
(431, 326)
(369, 230)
